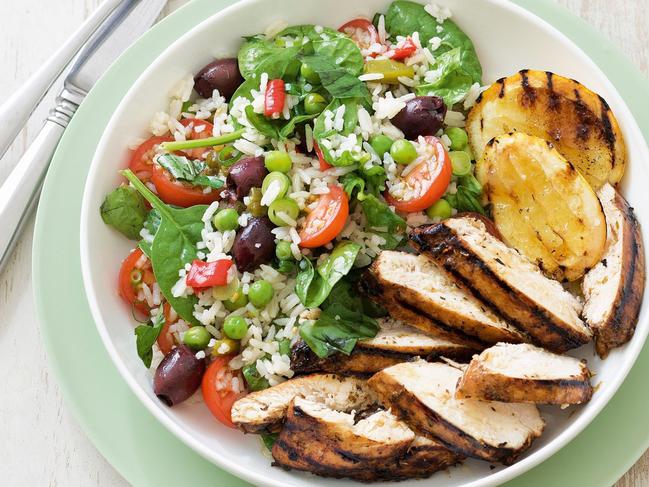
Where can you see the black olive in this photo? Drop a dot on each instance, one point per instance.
(222, 75)
(423, 115)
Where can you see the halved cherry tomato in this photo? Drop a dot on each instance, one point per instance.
(166, 340)
(217, 389)
(428, 181)
(326, 220)
(362, 32)
(142, 158)
(197, 134)
(275, 97)
(178, 193)
(135, 270)
(407, 49)
(207, 274)
(324, 165)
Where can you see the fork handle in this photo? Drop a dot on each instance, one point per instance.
(19, 192)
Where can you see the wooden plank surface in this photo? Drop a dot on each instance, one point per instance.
(41, 444)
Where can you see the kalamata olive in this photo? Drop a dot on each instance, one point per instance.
(222, 75)
(254, 244)
(423, 115)
(245, 174)
(178, 376)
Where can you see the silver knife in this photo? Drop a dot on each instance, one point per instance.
(19, 193)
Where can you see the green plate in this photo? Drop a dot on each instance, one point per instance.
(139, 447)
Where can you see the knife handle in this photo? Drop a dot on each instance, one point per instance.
(15, 112)
(19, 192)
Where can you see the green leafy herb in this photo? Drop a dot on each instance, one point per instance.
(288, 129)
(191, 171)
(313, 286)
(375, 177)
(345, 293)
(337, 80)
(383, 221)
(254, 380)
(146, 335)
(125, 210)
(174, 245)
(458, 69)
(151, 224)
(298, 32)
(258, 55)
(466, 200)
(337, 330)
(269, 439)
(353, 184)
(264, 126)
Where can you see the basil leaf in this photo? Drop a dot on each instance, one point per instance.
(337, 330)
(174, 245)
(404, 17)
(184, 169)
(313, 288)
(379, 215)
(254, 380)
(151, 224)
(125, 210)
(146, 336)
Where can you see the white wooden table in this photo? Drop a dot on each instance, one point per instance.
(40, 443)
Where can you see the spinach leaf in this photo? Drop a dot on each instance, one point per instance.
(313, 287)
(298, 32)
(269, 439)
(258, 55)
(254, 380)
(346, 293)
(174, 245)
(152, 223)
(337, 330)
(379, 215)
(458, 70)
(125, 210)
(145, 337)
(335, 78)
(182, 168)
(353, 183)
(264, 126)
(288, 129)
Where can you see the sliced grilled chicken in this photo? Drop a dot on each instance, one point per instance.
(525, 373)
(393, 344)
(326, 442)
(418, 282)
(614, 287)
(265, 410)
(422, 394)
(506, 280)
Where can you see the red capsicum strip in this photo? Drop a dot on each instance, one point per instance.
(274, 98)
(406, 50)
(324, 165)
(207, 274)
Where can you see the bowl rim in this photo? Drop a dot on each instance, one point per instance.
(631, 352)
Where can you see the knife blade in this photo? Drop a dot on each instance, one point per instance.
(19, 192)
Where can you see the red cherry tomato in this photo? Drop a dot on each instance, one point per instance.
(362, 32)
(178, 193)
(197, 133)
(326, 220)
(217, 389)
(207, 274)
(428, 181)
(407, 49)
(274, 98)
(142, 158)
(135, 270)
(324, 165)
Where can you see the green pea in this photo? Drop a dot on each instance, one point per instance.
(441, 209)
(281, 178)
(403, 152)
(227, 219)
(235, 327)
(260, 293)
(309, 74)
(314, 103)
(225, 346)
(286, 206)
(461, 163)
(283, 250)
(197, 337)
(277, 160)
(236, 301)
(381, 144)
(458, 136)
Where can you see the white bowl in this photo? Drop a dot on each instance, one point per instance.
(507, 38)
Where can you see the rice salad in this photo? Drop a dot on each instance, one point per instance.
(274, 179)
